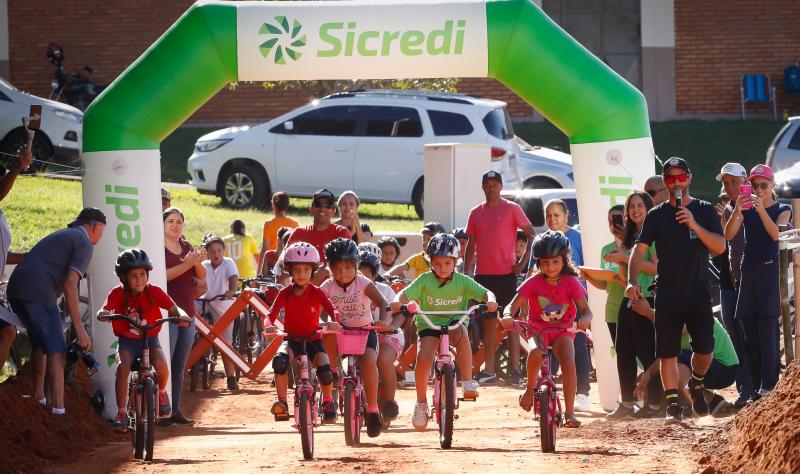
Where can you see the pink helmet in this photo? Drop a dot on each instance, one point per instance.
(301, 252)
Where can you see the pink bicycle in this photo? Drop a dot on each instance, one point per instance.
(352, 343)
(546, 402)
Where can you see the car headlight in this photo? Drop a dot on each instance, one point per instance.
(210, 145)
(72, 117)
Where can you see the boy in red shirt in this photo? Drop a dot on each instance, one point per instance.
(137, 298)
(301, 303)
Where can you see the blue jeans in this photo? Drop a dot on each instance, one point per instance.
(180, 344)
(582, 363)
(744, 380)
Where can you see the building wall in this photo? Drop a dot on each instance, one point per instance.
(716, 42)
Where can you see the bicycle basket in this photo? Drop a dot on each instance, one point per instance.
(352, 342)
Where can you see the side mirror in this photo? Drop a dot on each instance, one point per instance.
(288, 126)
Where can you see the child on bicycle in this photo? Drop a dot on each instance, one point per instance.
(391, 343)
(390, 252)
(222, 277)
(301, 302)
(554, 297)
(354, 295)
(442, 289)
(140, 300)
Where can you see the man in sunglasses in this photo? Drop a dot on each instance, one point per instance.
(654, 186)
(684, 230)
(322, 230)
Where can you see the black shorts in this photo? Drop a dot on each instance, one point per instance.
(437, 332)
(372, 339)
(672, 314)
(312, 348)
(504, 288)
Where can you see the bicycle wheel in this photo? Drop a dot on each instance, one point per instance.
(306, 426)
(137, 436)
(447, 399)
(150, 395)
(546, 420)
(352, 416)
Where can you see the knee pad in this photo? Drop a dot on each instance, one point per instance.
(324, 374)
(280, 363)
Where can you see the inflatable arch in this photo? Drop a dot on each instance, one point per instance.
(215, 43)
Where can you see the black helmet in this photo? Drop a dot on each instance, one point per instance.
(389, 240)
(370, 260)
(460, 233)
(130, 259)
(443, 245)
(341, 249)
(434, 228)
(552, 243)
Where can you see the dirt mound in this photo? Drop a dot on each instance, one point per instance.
(764, 437)
(33, 439)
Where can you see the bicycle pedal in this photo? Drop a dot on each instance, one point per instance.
(475, 399)
(282, 417)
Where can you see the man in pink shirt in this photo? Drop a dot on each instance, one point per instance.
(492, 227)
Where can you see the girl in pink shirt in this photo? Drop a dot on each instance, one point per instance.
(555, 297)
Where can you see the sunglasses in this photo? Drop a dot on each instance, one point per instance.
(672, 178)
(762, 185)
(653, 192)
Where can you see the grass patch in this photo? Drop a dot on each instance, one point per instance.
(38, 206)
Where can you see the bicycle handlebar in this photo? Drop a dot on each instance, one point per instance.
(142, 327)
(220, 296)
(465, 314)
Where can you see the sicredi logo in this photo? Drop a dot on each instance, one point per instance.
(346, 39)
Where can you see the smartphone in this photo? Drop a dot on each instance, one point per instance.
(746, 190)
(35, 117)
(616, 220)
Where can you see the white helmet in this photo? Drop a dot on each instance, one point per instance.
(370, 248)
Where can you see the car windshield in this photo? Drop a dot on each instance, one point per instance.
(7, 85)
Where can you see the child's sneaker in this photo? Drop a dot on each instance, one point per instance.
(232, 384)
(328, 411)
(485, 379)
(281, 410)
(515, 379)
(470, 389)
(582, 403)
(164, 408)
(120, 423)
(390, 410)
(420, 418)
(374, 423)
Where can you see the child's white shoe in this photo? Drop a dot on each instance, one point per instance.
(420, 418)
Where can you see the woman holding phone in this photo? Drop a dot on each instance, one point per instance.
(758, 307)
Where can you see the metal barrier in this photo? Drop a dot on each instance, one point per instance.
(789, 240)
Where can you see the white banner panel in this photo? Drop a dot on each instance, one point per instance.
(361, 40)
(605, 174)
(125, 185)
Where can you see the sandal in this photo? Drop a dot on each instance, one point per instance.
(526, 399)
(570, 421)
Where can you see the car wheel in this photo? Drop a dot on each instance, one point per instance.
(42, 151)
(244, 185)
(418, 198)
(540, 182)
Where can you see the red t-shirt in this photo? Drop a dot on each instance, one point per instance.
(494, 230)
(301, 313)
(139, 307)
(320, 238)
(181, 289)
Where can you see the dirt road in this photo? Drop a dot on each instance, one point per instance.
(236, 433)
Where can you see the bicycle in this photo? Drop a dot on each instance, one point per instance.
(207, 364)
(306, 408)
(248, 336)
(445, 401)
(142, 392)
(546, 402)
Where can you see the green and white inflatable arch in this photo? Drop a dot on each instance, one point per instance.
(215, 43)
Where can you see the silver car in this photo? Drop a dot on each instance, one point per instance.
(543, 168)
(784, 151)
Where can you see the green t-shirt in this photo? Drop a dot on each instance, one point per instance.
(645, 280)
(615, 290)
(723, 347)
(454, 296)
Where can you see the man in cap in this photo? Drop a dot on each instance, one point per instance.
(166, 200)
(492, 228)
(53, 267)
(684, 235)
(732, 176)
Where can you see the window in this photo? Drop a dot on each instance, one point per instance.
(334, 121)
(498, 124)
(449, 123)
(794, 143)
(393, 122)
(572, 207)
(4, 97)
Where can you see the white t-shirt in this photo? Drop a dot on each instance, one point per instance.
(389, 294)
(217, 282)
(354, 306)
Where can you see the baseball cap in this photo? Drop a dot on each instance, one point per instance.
(762, 171)
(323, 193)
(88, 214)
(675, 162)
(491, 174)
(733, 169)
(165, 194)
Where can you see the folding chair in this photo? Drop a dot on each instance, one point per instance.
(757, 89)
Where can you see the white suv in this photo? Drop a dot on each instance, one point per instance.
(58, 139)
(371, 142)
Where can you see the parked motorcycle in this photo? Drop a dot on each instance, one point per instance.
(77, 90)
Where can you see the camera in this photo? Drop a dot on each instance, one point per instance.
(75, 352)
